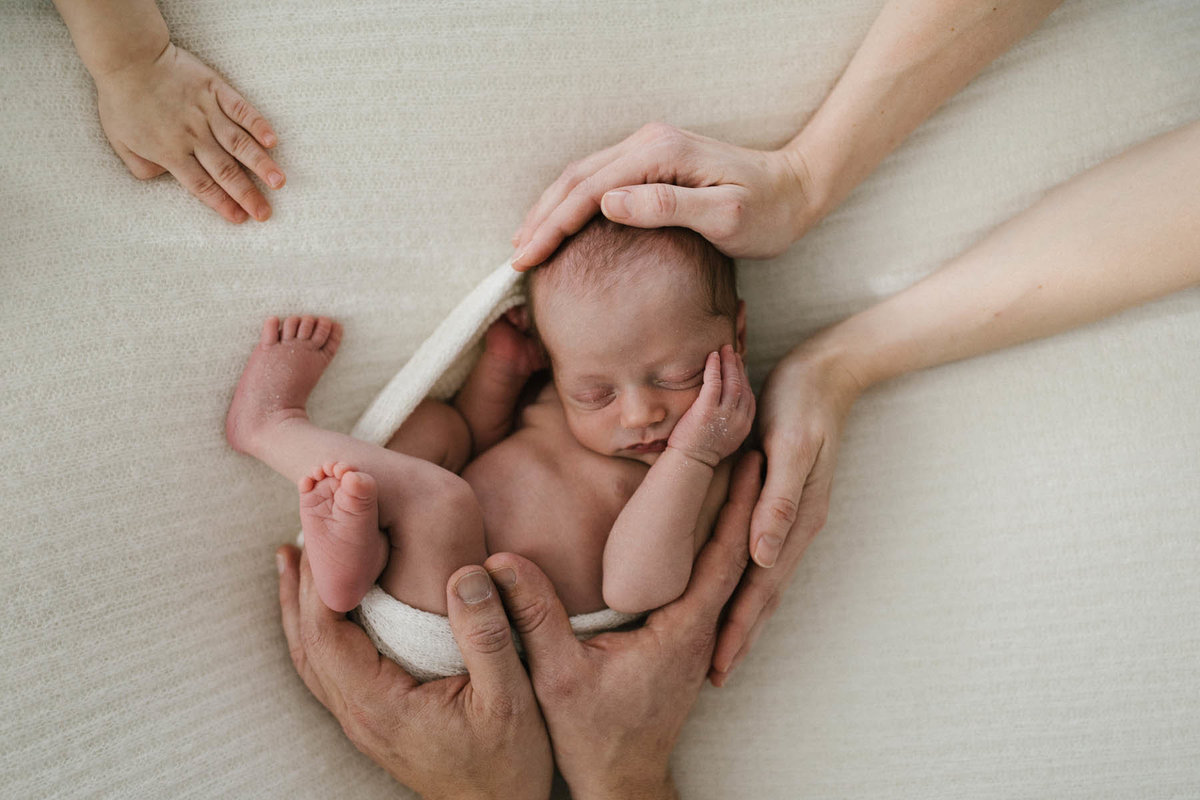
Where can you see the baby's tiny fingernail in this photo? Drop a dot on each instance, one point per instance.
(474, 587)
(275, 179)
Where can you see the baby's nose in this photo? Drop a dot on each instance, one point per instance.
(640, 410)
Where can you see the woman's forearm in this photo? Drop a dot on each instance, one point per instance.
(111, 34)
(914, 57)
(1122, 233)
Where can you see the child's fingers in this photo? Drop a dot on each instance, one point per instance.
(242, 146)
(196, 180)
(246, 115)
(229, 174)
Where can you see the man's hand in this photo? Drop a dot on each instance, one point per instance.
(749, 203)
(615, 704)
(175, 114)
(472, 736)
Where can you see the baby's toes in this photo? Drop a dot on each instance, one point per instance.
(359, 486)
(321, 332)
(270, 332)
(290, 326)
(305, 331)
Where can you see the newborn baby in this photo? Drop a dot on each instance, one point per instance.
(608, 473)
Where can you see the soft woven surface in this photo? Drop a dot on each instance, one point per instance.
(1002, 603)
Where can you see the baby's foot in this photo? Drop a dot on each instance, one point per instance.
(281, 373)
(510, 346)
(339, 512)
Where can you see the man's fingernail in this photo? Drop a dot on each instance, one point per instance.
(505, 576)
(767, 551)
(280, 563)
(474, 587)
(275, 179)
(615, 204)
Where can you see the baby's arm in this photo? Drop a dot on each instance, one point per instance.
(488, 400)
(164, 111)
(648, 555)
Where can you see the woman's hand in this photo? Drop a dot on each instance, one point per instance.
(477, 735)
(801, 411)
(749, 203)
(174, 114)
(614, 705)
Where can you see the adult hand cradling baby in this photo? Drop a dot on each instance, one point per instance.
(613, 711)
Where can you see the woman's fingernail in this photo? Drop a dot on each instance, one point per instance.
(505, 576)
(615, 204)
(280, 563)
(275, 179)
(474, 587)
(520, 255)
(269, 139)
(767, 551)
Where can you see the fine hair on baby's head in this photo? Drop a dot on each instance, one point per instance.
(605, 255)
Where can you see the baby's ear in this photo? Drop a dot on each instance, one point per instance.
(740, 328)
(519, 317)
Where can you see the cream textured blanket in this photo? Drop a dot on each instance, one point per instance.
(1002, 602)
(417, 640)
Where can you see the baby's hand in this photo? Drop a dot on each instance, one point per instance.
(509, 342)
(720, 419)
(177, 115)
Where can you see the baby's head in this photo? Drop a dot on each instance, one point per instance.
(628, 317)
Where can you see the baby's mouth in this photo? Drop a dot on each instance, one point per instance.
(657, 446)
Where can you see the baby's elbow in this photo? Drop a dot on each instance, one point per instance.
(628, 597)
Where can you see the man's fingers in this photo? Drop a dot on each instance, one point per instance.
(788, 468)
(536, 613)
(196, 180)
(246, 115)
(288, 558)
(720, 565)
(484, 636)
(233, 179)
(245, 149)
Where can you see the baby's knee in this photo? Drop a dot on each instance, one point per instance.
(451, 508)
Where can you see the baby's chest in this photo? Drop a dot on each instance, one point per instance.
(553, 502)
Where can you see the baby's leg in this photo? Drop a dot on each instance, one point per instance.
(268, 420)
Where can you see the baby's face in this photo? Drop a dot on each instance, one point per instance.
(629, 361)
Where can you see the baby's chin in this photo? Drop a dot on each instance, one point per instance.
(644, 458)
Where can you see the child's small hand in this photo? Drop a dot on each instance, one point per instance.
(720, 418)
(177, 115)
(508, 340)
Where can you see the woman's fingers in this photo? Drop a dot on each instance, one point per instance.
(229, 174)
(196, 180)
(245, 149)
(788, 467)
(245, 115)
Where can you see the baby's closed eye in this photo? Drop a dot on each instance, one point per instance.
(689, 379)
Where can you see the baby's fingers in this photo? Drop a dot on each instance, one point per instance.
(734, 385)
(229, 174)
(246, 115)
(710, 392)
(242, 146)
(197, 181)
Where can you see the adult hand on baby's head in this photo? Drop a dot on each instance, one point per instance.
(177, 115)
(478, 735)
(802, 408)
(615, 704)
(749, 203)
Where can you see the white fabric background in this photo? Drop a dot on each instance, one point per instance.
(1002, 603)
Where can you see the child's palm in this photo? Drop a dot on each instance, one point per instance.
(720, 418)
(177, 115)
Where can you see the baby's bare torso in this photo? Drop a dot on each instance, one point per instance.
(550, 499)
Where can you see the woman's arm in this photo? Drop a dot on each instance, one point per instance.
(753, 203)
(1120, 234)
